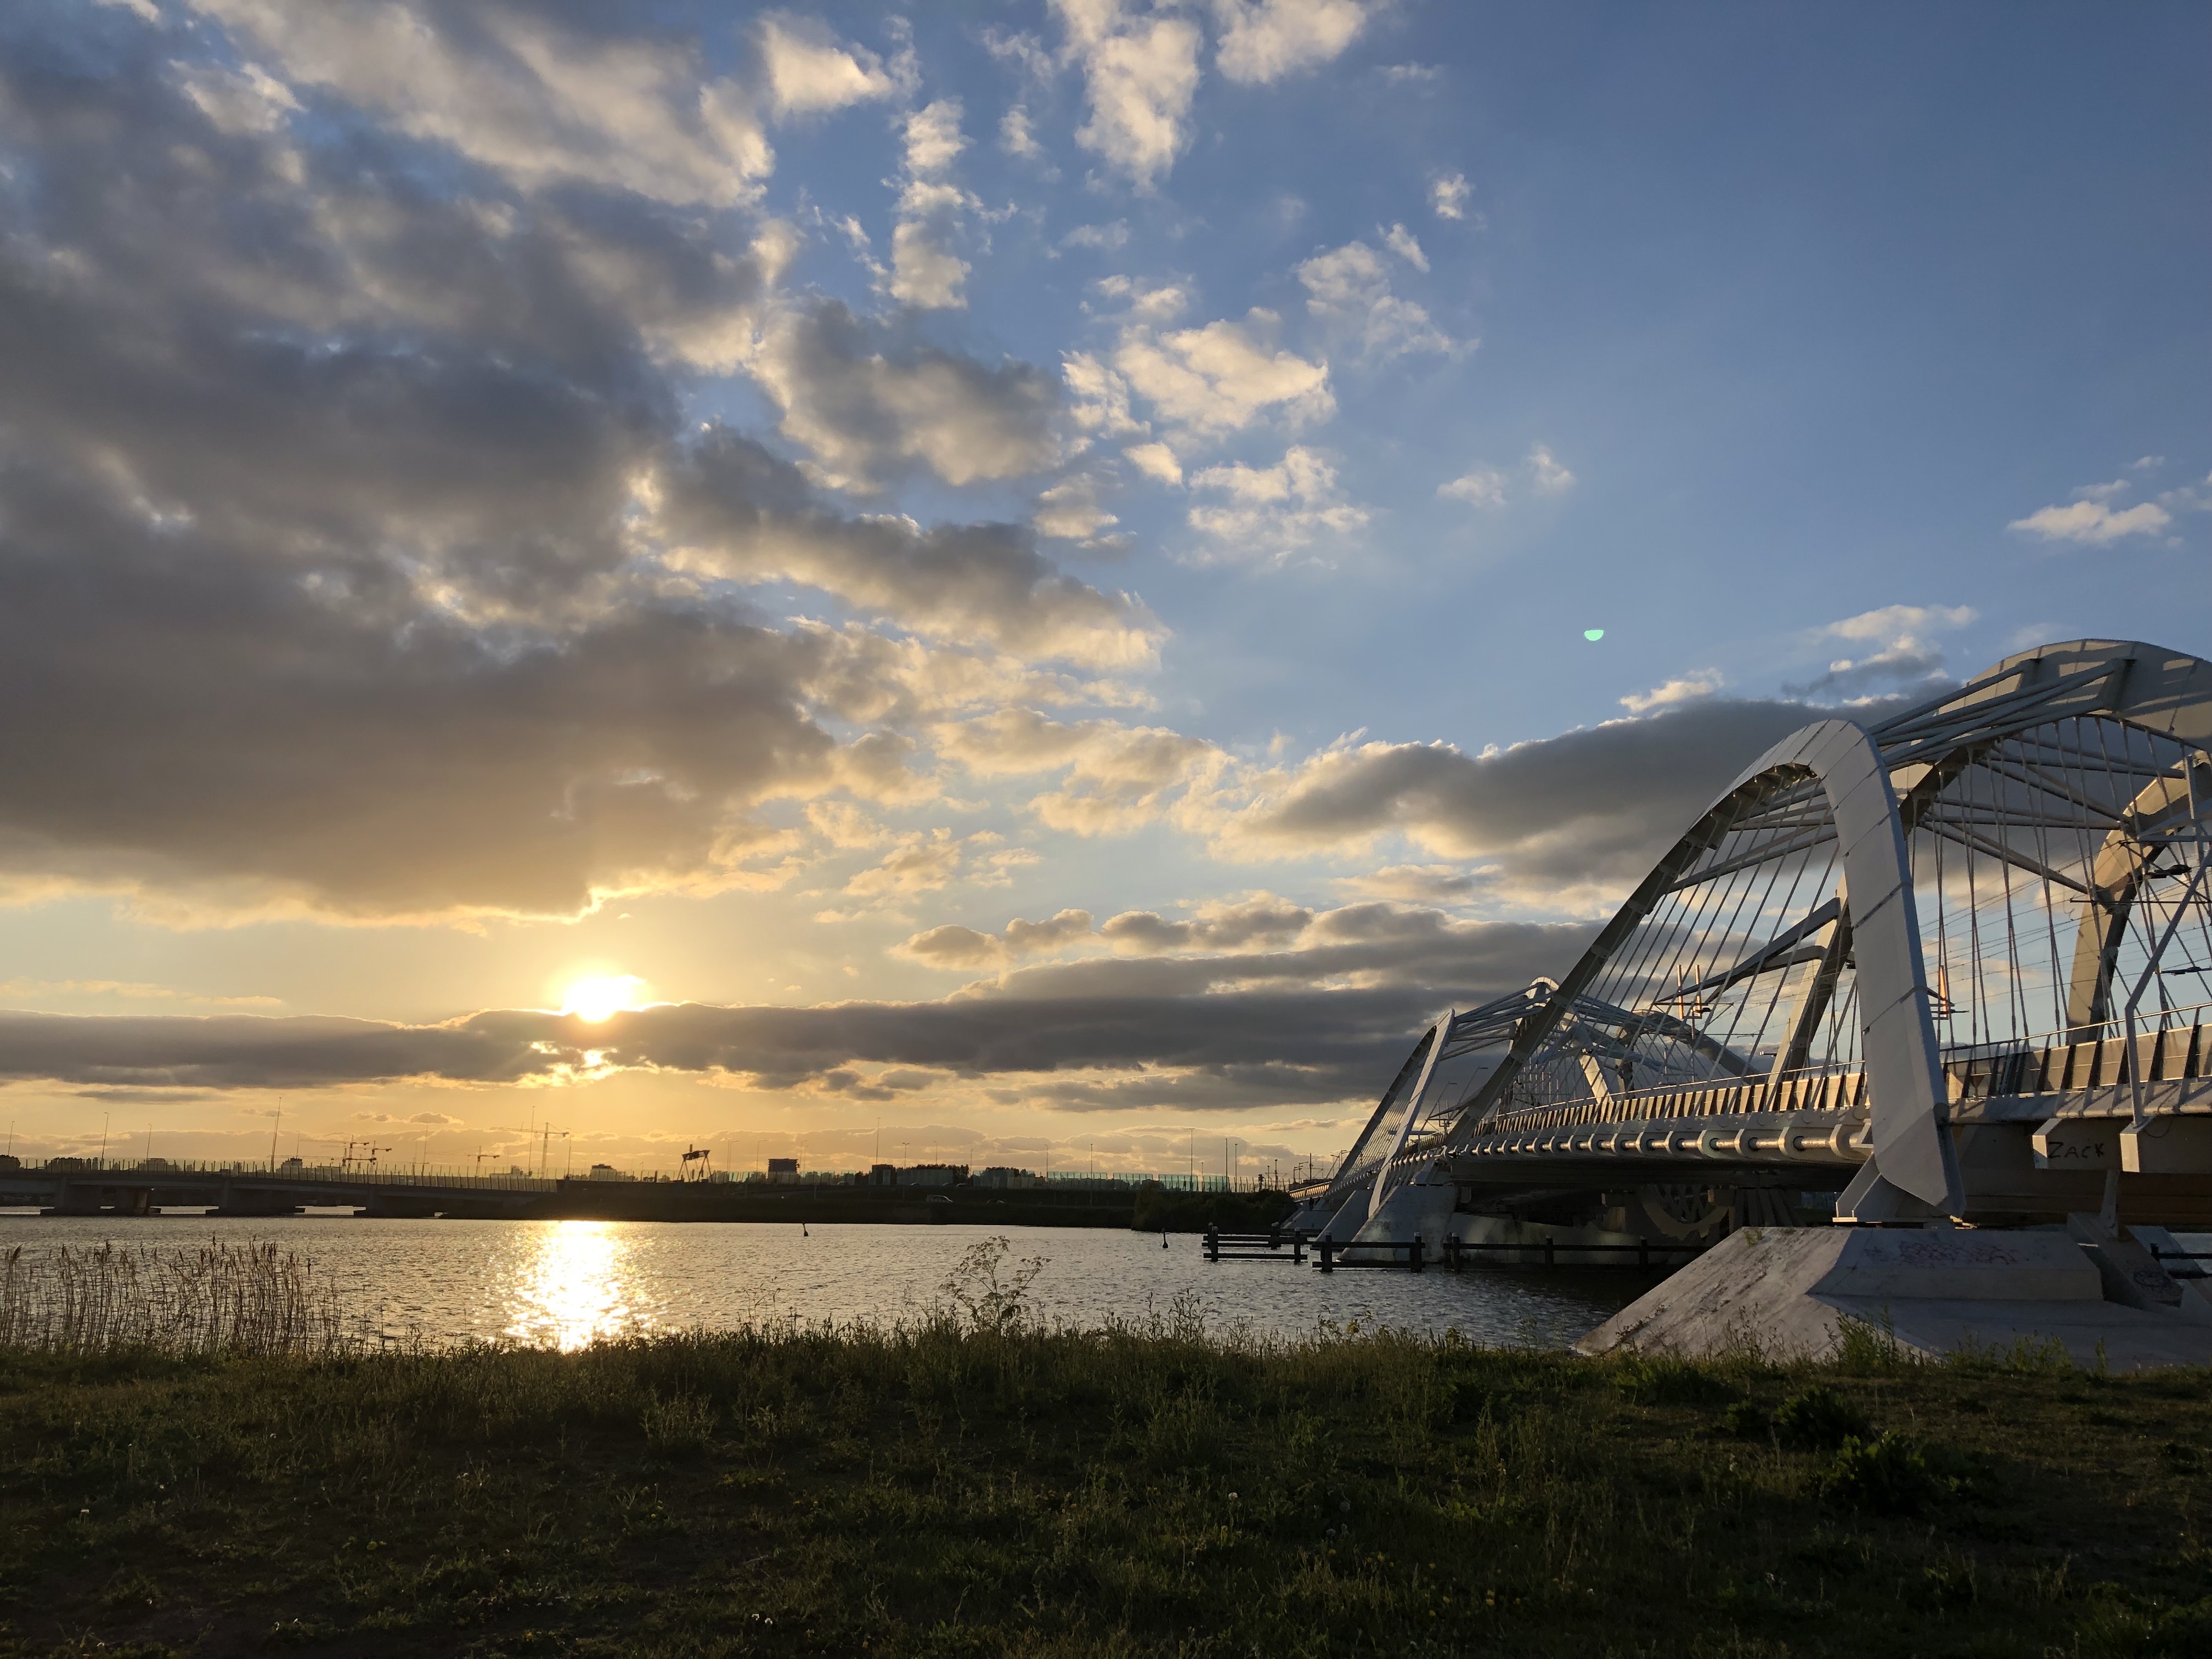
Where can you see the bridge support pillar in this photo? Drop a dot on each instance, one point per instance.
(255, 1201)
(398, 1207)
(77, 1198)
(1790, 1292)
(1413, 1211)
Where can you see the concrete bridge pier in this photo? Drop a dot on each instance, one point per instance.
(1791, 1292)
(94, 1198)
(398, 1207)
(258, 1202)
(77, 1198)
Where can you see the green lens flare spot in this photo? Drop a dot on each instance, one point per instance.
(1593, 633)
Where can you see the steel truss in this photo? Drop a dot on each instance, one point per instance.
(1946, 964)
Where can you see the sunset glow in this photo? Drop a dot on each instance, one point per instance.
(597, 999)
(1026, 572)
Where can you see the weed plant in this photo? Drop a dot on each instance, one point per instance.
(217, 1298)
(974, 1484)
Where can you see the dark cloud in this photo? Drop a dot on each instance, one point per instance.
(1299, 1026)
(955, 947)
(539, 93)
(732, 510)
(1262, 920)
(1595, 807)
(327, 457)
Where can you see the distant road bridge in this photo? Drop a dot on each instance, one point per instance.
(1958, 964)
(70, 1186)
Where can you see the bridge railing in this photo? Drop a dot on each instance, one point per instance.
(2166, 1045)
(113, 1170)
(1811, 1090)
(2179, 1046)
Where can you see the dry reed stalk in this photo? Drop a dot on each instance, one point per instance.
(219, 1298)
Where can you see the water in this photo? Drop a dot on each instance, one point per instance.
(564, 1284)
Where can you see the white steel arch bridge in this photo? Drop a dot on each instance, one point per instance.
(1957, 963)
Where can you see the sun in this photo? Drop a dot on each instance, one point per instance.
(595, 998)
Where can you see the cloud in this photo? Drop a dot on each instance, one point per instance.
(1272, 512)
(1098, 397)
(1565, 820)
(1162, 302)
(1412, 883)
(1448, 196)
(2146, 463)
(927, 860)
(1485, 486)
(810, 72)
(729, 510)
(1322, 1024)
(958, 947)
(1264, 40)
(2092, 523)
(1687, 688)
(1904, 653)
(1039, 938)
(1023, 53)
(1894, 620)
(1156, 461)
(537, 100)
(1545, 475)
(1115, 779)
(1260, 922)
(1070, 509)
(925, 271)
(1403, 243)
(1222, 377)
(127, 991)
(1412, 74)
(1140, 73)
(355, 552)
(1017, 135)
(2188, 498)
(1489, 487)
(955, 947)
(245, 100)
(933, 138)
(869, 400)
(1349, 287)
(1105, 238)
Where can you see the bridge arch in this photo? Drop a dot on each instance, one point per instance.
(1874, 933)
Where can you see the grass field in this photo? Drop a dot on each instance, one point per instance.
(974, 1485)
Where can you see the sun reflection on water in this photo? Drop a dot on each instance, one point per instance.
(573, 1291)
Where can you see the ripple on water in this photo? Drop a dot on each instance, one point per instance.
(564, 1284)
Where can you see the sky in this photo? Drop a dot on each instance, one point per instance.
(1015, 583)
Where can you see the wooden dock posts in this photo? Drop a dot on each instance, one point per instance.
(1332, 1257)
(1254, 1246)
(1329, 1254)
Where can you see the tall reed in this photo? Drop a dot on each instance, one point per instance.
(219, 1298)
